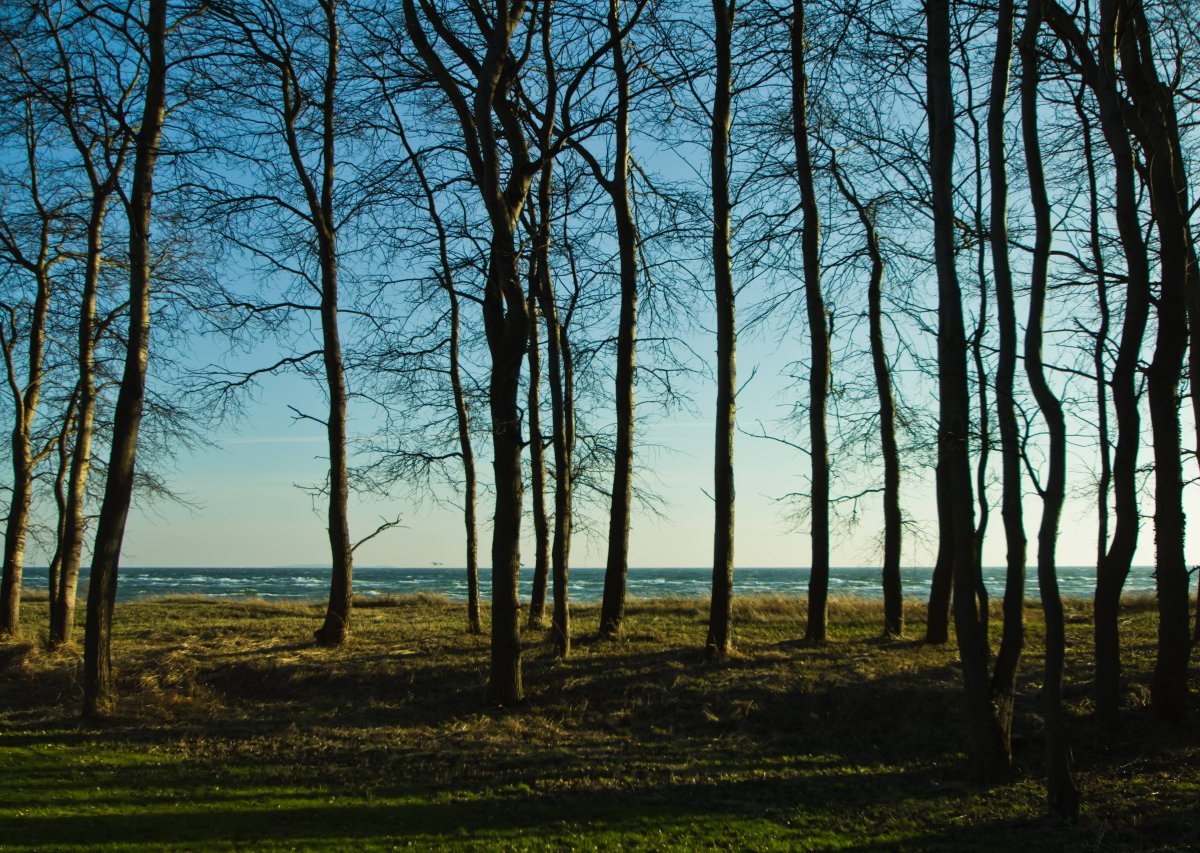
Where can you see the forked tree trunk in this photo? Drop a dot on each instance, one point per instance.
(818, 333)
(990, 752)
(98, 692)
(62, 618)
(719, 642)
(1062, 794)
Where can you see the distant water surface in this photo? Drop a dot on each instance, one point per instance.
(586, 584)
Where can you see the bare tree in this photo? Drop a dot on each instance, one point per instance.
(98, 691)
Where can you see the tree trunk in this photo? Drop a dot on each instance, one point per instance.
(337, 613)
(61, 470)
(1157, 128)
(98, 692)
(537, 461)
(719, 642)
(937, 620)
(1008, 658)
(62, 619)
(25, 406)
(818, 331)
(990, 752)
(1101, 75)
(893, 524)
(612, 608)
(1062, 794)
(507, 323)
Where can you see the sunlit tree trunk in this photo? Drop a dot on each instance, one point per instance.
(720, 642)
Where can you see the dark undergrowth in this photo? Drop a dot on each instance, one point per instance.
(234, 730)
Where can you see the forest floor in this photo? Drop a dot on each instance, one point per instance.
(235, 731)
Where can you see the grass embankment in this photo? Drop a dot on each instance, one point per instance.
(234, 729)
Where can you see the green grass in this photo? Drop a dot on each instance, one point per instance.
(235, 730)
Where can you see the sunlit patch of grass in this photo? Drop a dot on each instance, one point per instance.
(235, 728)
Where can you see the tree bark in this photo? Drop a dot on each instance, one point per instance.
(893, 523)
(719, 642)
(25, 399)
(1008, 658)
(818, 332)
(612, 608)
(937, 619)
(990, 752)
(98, 688)
(1157, 128)
(537, 460)
(1100, 73)
(62, 619)
(1062, 793)
(320, 202)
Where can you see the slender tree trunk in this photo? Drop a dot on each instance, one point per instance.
(818, 332)
(1008, 658)
(720, 641)
(1104, 486)
(537, 461)
(1100, 73)
(1062, 794)
(937, 620)
(474, 622)
(612, 608)
(62, 619)
(98, 692)
(893, 524)
(337, 613)
(562, 404)
(990, 752)
(461, 414)
(25, 407)
(61, 470)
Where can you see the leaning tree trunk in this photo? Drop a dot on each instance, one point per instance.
(990, 752)
(720, 642)
(98, 693)
(1004, 676)
(818, 333)
(1062, 794)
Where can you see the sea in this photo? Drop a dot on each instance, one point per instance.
(586, 584)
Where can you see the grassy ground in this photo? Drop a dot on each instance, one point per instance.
(235, 730)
